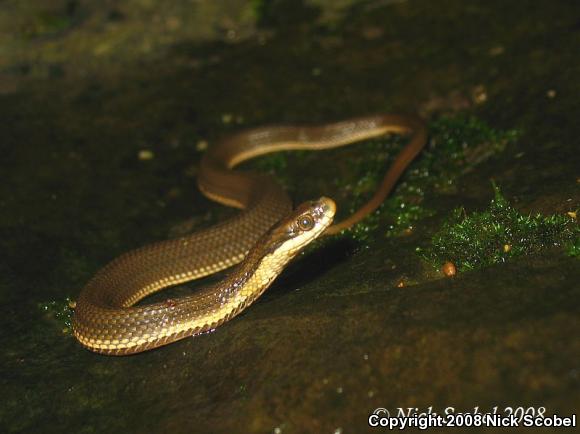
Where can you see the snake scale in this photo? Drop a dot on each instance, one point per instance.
(262, 239)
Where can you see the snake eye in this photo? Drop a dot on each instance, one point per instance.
(305, 222)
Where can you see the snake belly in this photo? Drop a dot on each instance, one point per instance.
(107, 319)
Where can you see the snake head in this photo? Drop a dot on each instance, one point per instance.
(303, 225)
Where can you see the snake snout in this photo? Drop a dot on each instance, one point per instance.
(328, 206)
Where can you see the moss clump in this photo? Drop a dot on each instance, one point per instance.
(574, 248)
(60, 311)
(47, 24)
(275, 165)
(457, 144)
(460, 143)
(260, 10)
(498, 234)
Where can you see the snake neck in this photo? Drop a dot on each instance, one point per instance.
(256, 273)
(168, 321)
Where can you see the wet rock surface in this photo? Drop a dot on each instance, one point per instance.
(105, 111)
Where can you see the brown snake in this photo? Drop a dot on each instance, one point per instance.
(264, 237)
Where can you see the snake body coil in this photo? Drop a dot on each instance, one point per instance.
(265, 235)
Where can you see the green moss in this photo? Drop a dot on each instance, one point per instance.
(457, 144)
(497, 234)
(60, 311)
(46, 24)
(260, 9)
(276, 165)
(573, 248)
(460, 143)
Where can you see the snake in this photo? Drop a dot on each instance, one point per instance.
(257, 242)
